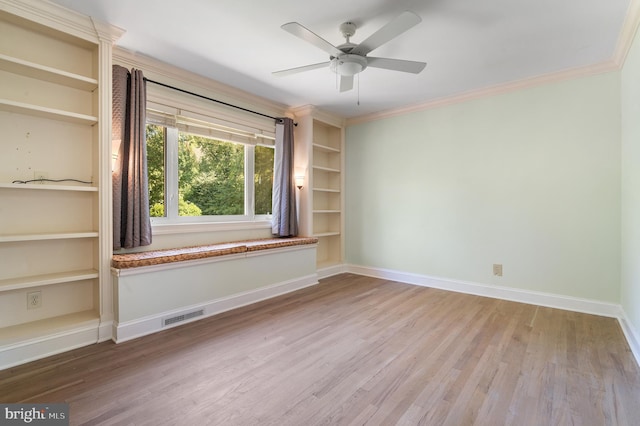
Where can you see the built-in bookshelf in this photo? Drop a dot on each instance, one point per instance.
(321, 141)
(54, 67)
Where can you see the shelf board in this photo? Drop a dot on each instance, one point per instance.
(42, 328)
(47, 279)
(43, 72)
(327, 211)
(48, 187)
(40, 237)
(326, 190)
(326, 169)
(326, 148)
(326, 234)
(45, 112)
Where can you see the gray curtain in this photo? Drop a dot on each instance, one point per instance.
(285, 218)
(131, 221)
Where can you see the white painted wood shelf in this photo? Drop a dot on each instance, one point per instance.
(326, 148)
(46, 112)
(47, 279)
(326, 234)
(47, 236)
(48, 187)
(46, 73)
(326, 190)
(326, 169)
(49, 326)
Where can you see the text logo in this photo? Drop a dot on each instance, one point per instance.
(34, 414)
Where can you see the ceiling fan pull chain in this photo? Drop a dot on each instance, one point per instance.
(358, 77)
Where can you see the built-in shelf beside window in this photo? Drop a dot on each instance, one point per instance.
(323, 211)
(39, 329)
(48, 187)
(41, 237)
(326, 148)
(46, 73)
(47, 279)
(54, 68)
(46, 112)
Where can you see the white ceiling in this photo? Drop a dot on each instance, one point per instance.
(467, 44)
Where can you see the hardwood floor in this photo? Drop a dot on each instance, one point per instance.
(352, 350)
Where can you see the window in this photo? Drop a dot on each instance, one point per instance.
(201, 171)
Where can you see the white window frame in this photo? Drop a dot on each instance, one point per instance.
(177, 119)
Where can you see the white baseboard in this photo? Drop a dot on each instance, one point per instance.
(632, 335)
(331, 271)
(141, 327)
(37, 348)
(506, 293)
(105, 331)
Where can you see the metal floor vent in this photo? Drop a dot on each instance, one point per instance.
(182, 317)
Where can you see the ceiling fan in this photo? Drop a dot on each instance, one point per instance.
(349, 59)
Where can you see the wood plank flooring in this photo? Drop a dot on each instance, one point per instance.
(351, 351)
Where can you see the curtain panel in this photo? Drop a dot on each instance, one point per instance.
(131, 220)
(285, 217)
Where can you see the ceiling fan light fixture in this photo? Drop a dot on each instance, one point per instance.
(348, 65)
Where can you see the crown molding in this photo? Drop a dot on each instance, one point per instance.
(627, 33)
(491, 91)
(172, 75)
(615, 63)
(61, 19)
(317, 114)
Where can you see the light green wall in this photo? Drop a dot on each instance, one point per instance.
(529, 179)
(630, 88)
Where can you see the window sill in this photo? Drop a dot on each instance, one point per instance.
(184, 228)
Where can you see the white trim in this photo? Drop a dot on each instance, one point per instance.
(497, 292)
(132, 329)
(632, 335)
(627, 33)
(317, 114)
(485, 92)
(105, 331)
(42, 347)
(330, 271)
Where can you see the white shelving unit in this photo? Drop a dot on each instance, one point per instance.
(319, 149)
(55, 112)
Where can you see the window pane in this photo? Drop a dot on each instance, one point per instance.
(210, 176)
(263, 177)
(155, 169)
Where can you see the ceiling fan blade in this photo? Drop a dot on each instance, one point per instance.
(301, 69)
(392, 29)
(396, 64)
(309, 36)
(346, 83)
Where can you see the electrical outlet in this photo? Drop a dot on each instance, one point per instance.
(34, 300)
(40, 176)
(497, 269)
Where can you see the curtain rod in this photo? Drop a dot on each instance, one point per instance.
(212, 100)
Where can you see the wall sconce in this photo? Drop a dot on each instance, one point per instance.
(298, 176)
(115, 148)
